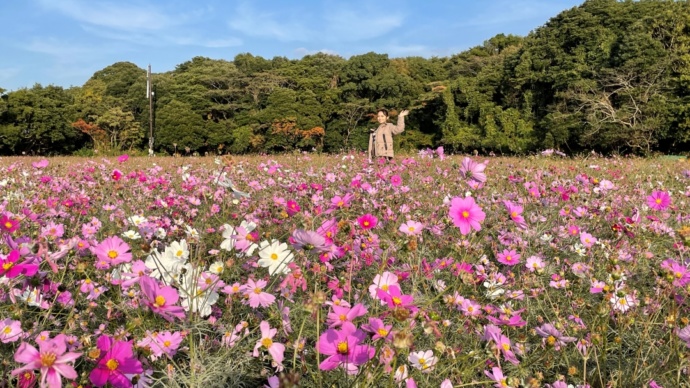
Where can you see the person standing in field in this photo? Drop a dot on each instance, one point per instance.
(381, 138)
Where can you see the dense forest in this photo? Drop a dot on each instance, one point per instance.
(610, 76)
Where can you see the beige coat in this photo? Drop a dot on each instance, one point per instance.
(381, 138)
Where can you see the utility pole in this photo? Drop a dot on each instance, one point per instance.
(149, 95)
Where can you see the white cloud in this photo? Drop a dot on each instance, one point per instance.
(506, 12)
(115, 15)
(334, 23)
(251, 22)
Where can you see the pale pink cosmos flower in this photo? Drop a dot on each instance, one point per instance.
(10, 331)
(587, 239)
(509, 257)
(339, 315)
(161, 300)
(412, 228)
(382, 281)
(111, 252)
(515, 212)
(253, 290)
(496, 375)
(659, 200)
(275, 349)
(473, 170)
(51, 358)
(535, 264)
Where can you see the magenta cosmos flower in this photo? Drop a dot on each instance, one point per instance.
(344, 348)
(11, 269)
(111, 252)
(659, 200)
(8, 224)
(466, 214)
(51, 358)
(116, 361)
(161, 300)
(367, 221)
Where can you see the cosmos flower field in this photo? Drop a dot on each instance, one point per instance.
(310, 270)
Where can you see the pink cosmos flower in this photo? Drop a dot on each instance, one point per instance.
(496, 375)
(379, 329)
(111, 252)
(466, 214)
(680, 273)
(394, 298)
(11, 269)
(338, 202)
(412, 228)
(382, 281)
(51, 358)
(123, 158)
(396, 180)
(587, 239)
(473, 170)
(292, 208)
(509, 257)
(8, 224)
(115, 362)
(552, 337)
(659, 200)
(275, 349)
(367, 221)
(253, 290)
(423, 360)
(684, 335)
(10, 331)
(43, 163)
(341, 314)
(343, 348)
(515, 212)
(161, 300)
(116, 175)
(535, 263)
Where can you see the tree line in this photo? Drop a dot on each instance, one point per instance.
(609, 76)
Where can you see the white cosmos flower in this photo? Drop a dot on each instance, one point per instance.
(131, 234)
(275, 256)
(179, 250)
(137, 220)
(217, 267)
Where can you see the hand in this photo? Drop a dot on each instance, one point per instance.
(404, 113)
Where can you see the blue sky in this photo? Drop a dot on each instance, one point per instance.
(63, 42)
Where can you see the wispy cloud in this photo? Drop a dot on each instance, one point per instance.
(507, 12)
(251, 22)
(346, 23)
(115, 15)
(333, 23)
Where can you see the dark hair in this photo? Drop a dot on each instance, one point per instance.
(385, 111)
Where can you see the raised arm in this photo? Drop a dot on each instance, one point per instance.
(400, 127)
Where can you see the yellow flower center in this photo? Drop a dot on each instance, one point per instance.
(48, 359)
(365, 223)
(383, 332)
(160, 301)
(7, 266)
(513, 214)
(505, 347)
(340, 203)
(422, 361)
(179, 253)
(343, 317)
(411, 228)
(257, 290)
(112, 364)
(342, 347)
(551, 340)
(384, 287)
(509, 258)
(658, 201)
(266, 342)
(112, 254)
(465, 214)
(166, 344)
(396, 300)
(7, 330)
(8, 225)
(274, 256)
(677, 273)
